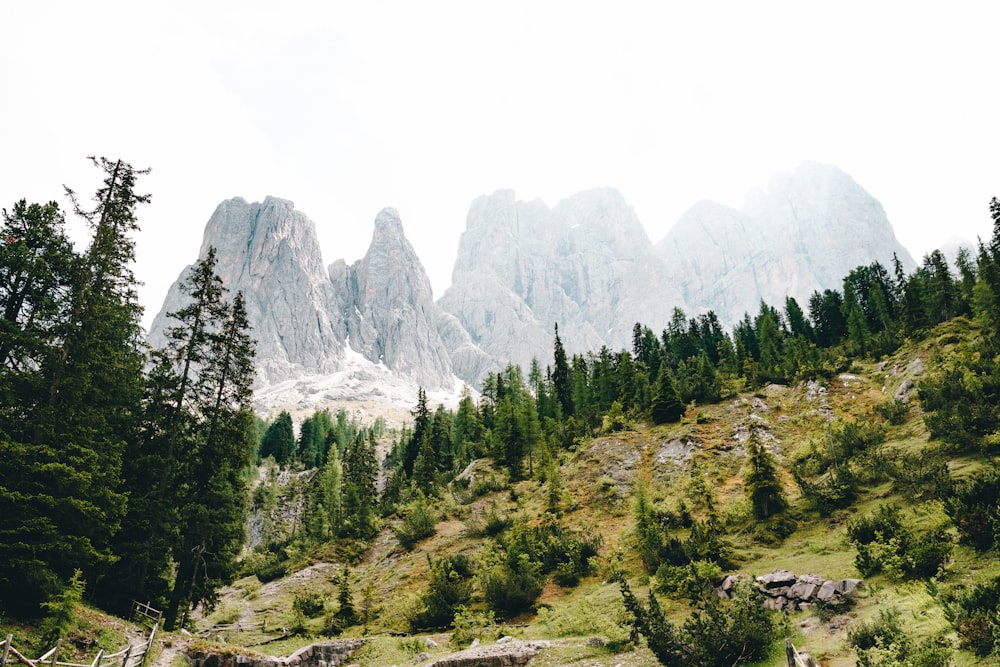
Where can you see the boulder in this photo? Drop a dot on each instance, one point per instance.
(827, 592)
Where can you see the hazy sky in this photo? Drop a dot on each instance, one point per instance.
(348, 107)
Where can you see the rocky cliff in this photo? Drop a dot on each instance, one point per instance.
(388, 306)
(305, 316)
(805, 233)
(270, 252)
(586, 264)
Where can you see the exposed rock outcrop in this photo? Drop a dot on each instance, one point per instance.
(324, 654)
(782, 589)
(586, 264)
(502, 654)
(388, 306)
(305, 316)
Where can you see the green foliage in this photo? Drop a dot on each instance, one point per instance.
(883, 642)
(279, 439)
(71, 363)
(346, 614)
(974, 508)
(885, 544)
(717, 634)
(893, 411)
(827, 473)
(761, 482)
(666, 406)
(419, 523)
(449, 589)
(961, 399)
(973, 614)
(61, 612)
(309, 603)
(511, 583)
(470, 625)
(919, 476)
(692, 581)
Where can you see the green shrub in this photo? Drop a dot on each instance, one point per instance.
(973, 615)
(419, 523)
(512, 585)
(893, 411)
(718, 634)
(974, 508)
(61, 618)
(884, 643)
(449, 588)
(885, 544)
(311, 604)
(470, 625)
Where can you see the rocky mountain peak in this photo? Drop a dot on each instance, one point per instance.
(807, 231)
(389, 306)
(270, 252)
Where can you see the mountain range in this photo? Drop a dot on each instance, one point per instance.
(586, 264)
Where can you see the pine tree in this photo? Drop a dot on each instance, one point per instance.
(346, 614)
(74, 383)
(666, 406)
(213, 505)
(761, 482)
(360, 476)
(421, 424)
(279, 439)
(560, 378)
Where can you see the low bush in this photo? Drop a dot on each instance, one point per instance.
(717, 634)
(419, 523)
(883, 642)
(885, 544)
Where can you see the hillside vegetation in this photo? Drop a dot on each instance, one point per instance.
(595, 502)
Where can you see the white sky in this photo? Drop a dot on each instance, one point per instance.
(347, 107)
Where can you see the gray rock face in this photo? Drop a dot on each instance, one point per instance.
(389, 308)
(805, 234)
(303, 316)
(270, 252)
(522, 267)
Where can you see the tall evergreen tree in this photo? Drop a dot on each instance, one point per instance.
(560, 377)
(279, 439)
(666, 406)
(761, 482)
(213, 500)
(64, 435)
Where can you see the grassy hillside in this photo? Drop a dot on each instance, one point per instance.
(700, 463)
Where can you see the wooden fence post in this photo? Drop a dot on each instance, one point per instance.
(128, 652)
(6, 650)
(149, 645)
(55, 652)
(790, 653)
(97, 660)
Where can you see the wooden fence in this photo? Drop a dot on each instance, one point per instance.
(130, 656)
(144, 614)
(796, 659)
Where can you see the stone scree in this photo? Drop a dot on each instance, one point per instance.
(325, 654)
(783, 590)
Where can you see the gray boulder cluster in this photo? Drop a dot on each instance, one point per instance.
(323, 654)
(586, 264)
(784, 590)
